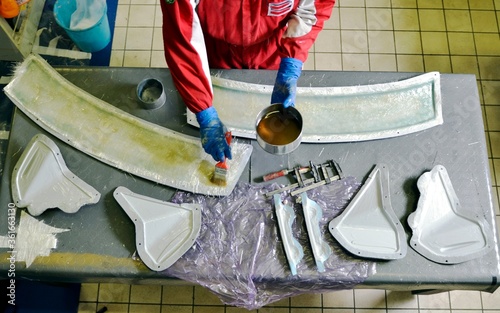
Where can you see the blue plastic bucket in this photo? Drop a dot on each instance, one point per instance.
(92, 39)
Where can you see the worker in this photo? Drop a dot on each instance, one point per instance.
(239, 34)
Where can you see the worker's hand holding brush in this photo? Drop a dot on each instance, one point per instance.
(213, 135)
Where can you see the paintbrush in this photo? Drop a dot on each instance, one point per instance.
(221, 168)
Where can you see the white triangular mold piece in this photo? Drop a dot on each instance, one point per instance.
(312, 215)
(164, 230)
(443, 231)
(368, 227)
(41, 180)
(293, 249)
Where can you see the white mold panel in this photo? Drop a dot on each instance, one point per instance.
(444, 231)
(41, 180)
(313, 215)
(164, 231)
(368, 227)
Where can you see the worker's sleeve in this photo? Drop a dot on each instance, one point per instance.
(303, 28)
(186, 54)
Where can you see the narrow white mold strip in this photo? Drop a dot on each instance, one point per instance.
(34, 238)
(164, 231)
(443, 231)
(41, 180)
(338, 114)
(368, 227)
(313, 214)
(293, 249)
(116, 137)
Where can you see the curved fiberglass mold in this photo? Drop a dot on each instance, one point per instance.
(337, 114)
(115, 137)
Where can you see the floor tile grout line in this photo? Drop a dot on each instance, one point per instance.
(322, 304)
(386, 305)
(420, 36)
(418, 302)
(496, 16)
(448, 42)
(126, 35)
(394, 37)
(152, 39)
(354, 300)
(341, 45)
(129, 296)
(97, 297)
(429, 31)
(367, 39)
(161, 297)
(193, 290)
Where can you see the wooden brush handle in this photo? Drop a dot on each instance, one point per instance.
(275, 175)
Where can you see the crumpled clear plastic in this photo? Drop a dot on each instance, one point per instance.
(239, 254)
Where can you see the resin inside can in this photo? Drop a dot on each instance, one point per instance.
(278, 129)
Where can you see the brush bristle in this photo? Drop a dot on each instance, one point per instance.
(220, 174)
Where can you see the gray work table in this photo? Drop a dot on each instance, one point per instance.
(101, 242)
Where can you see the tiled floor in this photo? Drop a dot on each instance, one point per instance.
(155, 299)
(450, 36)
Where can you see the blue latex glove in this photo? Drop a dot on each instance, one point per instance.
(213, 134)
(285, 87)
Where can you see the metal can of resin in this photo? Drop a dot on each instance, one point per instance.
(279, 130)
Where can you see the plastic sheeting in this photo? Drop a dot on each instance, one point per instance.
(239, 255)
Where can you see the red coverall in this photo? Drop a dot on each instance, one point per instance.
(253, 34)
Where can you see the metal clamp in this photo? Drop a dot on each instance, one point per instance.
(322, 174)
